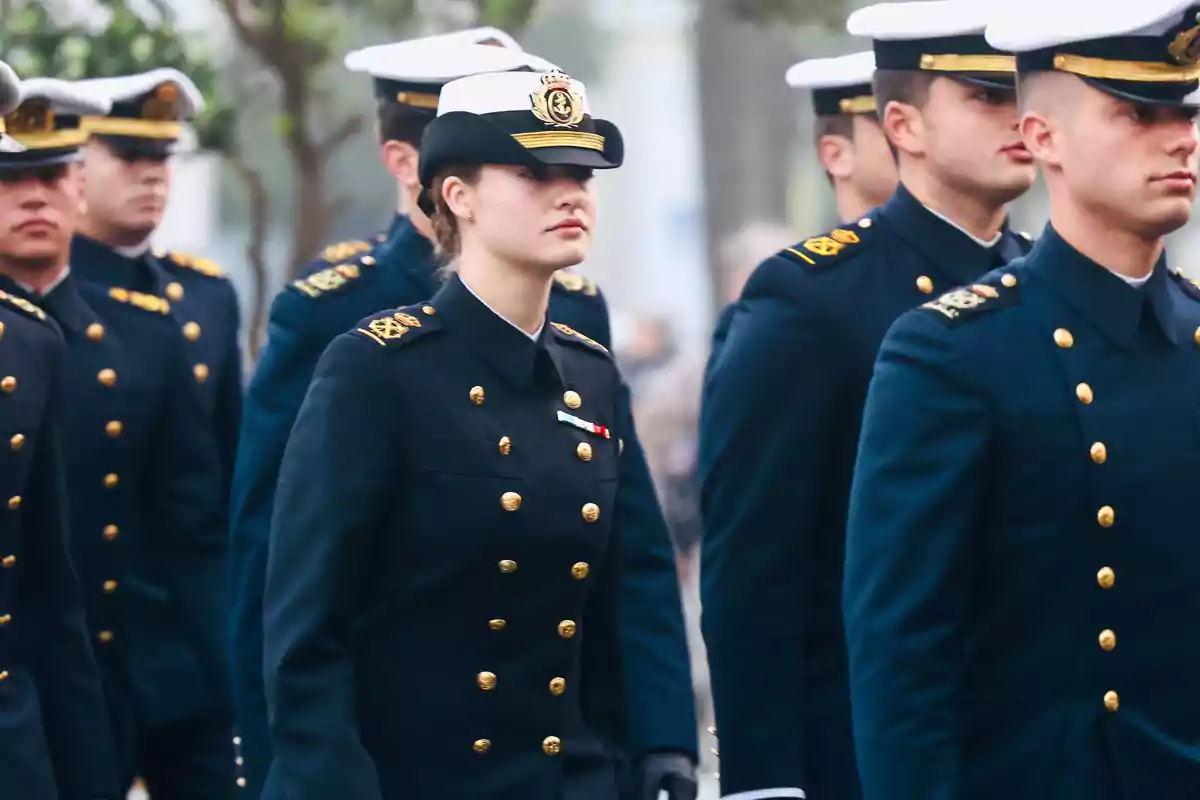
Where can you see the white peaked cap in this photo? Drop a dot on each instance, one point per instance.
(130, 87)
(10, 91)
(439, 60)
(495, 92)
(832, 73)
(65, 97)
(927, 19)
(1058, 22)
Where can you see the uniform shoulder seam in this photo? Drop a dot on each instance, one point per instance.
(398, 326)
(831, 248)
(146, 302)
(26, 307)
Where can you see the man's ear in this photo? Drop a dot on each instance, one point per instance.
(904, 127)
(1043, 137)
(836, 154)
(401, 160)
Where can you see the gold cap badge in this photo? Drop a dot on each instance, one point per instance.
(1186, 47)
(557, 103)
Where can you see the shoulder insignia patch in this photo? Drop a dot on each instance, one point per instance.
(388, 328)
(966, 302)
(571, 333)
(21, 304)
(331, 279)
(344, 251)
(204, 266)
(574, 282)
(146, 302)
(828, 248)
(1189, 286)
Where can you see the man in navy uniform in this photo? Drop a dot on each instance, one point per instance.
(311, 311)
(851, 146)
(128, 181)
(57, 744)
(147, 521)
(783, 397)
(1021, 553)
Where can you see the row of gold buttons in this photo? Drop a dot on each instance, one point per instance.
(1106, 516)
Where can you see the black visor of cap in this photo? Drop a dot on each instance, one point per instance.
(834, 101)
(135, 148)
(46, 157)
(969, 59)
(1157, 70)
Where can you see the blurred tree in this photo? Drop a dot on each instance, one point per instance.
(747, 112)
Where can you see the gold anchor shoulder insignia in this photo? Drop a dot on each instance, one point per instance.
(327, 280)
(574, 335)
(344, 251)
(966, 302)
(557, 103)
(831, 247)
(574, 282)
(146, 302)
(387, 328)
(24, 305)
(205, 266)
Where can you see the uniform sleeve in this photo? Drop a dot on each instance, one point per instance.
(272, 401)
(73, 709)
(183, 492)
(654, 654)
(764, 447)
(917, 484)
(229, 394)
(335, 487)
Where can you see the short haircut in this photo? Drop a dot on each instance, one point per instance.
(908, 86)
(834, 125)
(402, 123)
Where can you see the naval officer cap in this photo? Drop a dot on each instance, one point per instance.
(148, 111)
(520, 119)
(412, 73)
(45, 127)
(940, 37)
(1146, 51)
(839, 85)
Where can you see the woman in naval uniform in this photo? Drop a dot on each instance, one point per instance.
(440, 608)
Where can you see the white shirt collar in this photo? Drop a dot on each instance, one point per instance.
(995, 239)
(1136, 283)
(62, 276)
(532, 336)
(133, 252)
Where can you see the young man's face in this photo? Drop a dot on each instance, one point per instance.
(39, 212)
(971, 142)
(125, 195)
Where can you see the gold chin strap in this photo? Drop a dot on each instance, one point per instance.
(950, 62)
(536, 139)
(1142, 71)
(141, 128)
(864, 104)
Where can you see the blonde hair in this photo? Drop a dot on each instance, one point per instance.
(447, 239)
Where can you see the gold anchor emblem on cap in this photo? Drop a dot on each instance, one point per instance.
(557, 103)
(1186, 47)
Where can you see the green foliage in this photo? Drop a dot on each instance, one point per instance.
(508, 15)
(41, 39)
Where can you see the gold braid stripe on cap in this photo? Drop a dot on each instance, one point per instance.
(1144, 71)
(537, 139)
(417, 99)
(142, 128)
(949, 62)
(865, 104)
(50, 140)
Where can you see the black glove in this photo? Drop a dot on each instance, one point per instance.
(673, 772)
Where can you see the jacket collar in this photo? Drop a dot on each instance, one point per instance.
(943, 245)
(1109, 303)
(507, 350)
(97, 262)
(64, 303)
